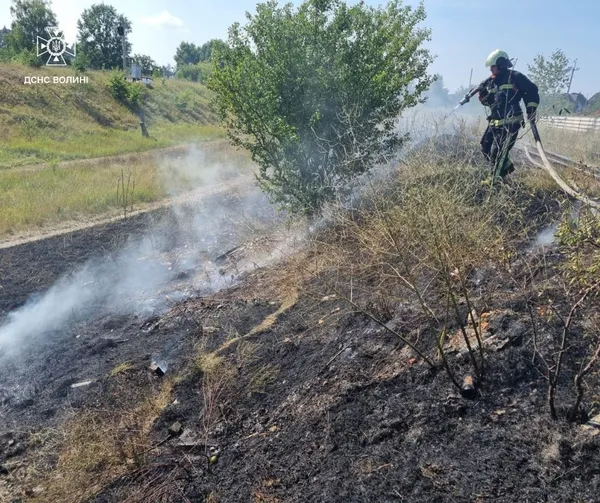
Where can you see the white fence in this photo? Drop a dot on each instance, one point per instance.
(579, 124)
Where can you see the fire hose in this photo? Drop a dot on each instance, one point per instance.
(542, 153)
(552, 172)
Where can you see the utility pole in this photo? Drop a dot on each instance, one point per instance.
(471, 78)
(121, 31)
(573, 70)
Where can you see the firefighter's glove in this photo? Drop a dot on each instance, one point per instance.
(484, 98)
(531, 114)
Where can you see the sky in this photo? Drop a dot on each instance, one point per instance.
(464, 32)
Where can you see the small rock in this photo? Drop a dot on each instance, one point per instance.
(176, 429)
(496, 343)
(463, 355)
(209, 330)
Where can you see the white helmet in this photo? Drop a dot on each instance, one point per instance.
(498, 58)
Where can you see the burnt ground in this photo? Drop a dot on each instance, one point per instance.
(327, 407)
(35, 382)
(350, 418)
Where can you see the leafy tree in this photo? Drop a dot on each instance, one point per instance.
(206, 50)
(99, 37)
(314, 93)
(3, 32)
(191, 54)
(146, 62)
(30, 20)
(187, 54)
(167, 71)
(81, 62)
(5, 52)
(437, 95)
(550, 75)
(199, 72)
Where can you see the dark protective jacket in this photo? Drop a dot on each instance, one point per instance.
(503, 93)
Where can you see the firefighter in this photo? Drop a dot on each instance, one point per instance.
(503, 94)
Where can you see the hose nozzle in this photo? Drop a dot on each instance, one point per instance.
(465, 100)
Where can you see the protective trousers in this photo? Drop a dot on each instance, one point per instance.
(496, 144)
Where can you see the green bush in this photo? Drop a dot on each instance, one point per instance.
(185, 100)
(314, 93)
(81, 62)
(6, 55)
(29, 58)
(200, 72)
(136, 93)
(118, 86)
(128, 93)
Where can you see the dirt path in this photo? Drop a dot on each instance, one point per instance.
(117, 215)
(111, 159)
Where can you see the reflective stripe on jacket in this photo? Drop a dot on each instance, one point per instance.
(504, 94)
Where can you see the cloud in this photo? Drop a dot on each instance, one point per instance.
(162, 20)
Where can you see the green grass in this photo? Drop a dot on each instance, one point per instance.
(19, 151)
(34, 198)
(46, 122)
(38, 198)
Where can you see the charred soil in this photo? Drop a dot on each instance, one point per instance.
(277, 390)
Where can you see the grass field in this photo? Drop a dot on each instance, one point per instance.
(580, 146)
(54, 122)
(20, 151)
(40, 198)
(44, 125)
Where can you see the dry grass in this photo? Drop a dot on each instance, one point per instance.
(97, 446)
(584, 147)
(416, 235)
(121, 368)
(405, 240)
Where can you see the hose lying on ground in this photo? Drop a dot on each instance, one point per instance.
(555, 176)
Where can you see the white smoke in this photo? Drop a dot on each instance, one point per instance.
(142, 277)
